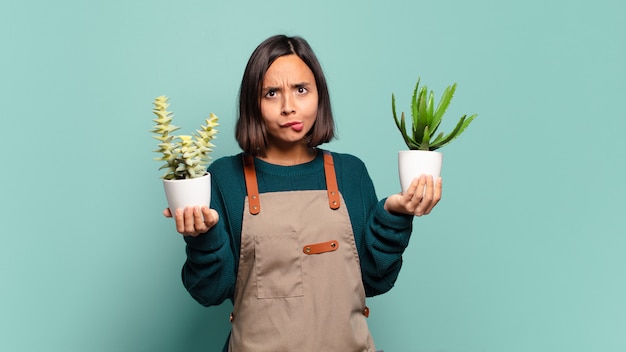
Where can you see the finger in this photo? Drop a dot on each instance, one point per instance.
(438, 187)
(410, 191)
(199, 221)
(419, 190)
(427, 196)
(190, 225)
(210, 217)
(410, 199)
(180, 220)
(167, 213)
(436, 195)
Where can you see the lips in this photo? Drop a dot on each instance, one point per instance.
(295, 125)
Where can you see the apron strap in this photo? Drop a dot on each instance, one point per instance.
(251, 184)
(252, 188)
(331, 181)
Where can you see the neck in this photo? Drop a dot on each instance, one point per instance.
(289, 157)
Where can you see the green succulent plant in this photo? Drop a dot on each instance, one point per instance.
(185, 156)
(426, 119)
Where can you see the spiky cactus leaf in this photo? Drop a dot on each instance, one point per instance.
(430, 106)
(395, 116)
(415, 106)
(412, 143)
(186, 156)
(426, 119)
(458, 130)
(423, 119)
(418, 117)
(446, 98)
(425, 143)
(437, 139)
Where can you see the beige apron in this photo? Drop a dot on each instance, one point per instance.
(299, 284)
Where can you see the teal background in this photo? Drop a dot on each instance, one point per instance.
(526, 251)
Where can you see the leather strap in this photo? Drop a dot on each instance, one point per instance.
(252, 188)
(366, 312)
(323, 247)
(251, 184)
(331, 181)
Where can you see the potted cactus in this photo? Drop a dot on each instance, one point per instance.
(186, 157)
(422, 139)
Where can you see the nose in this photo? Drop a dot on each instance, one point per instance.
(287, 107)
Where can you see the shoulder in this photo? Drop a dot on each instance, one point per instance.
(226, 166)
(227, 178)
(351, 170)
(227, 160)
(347, 161)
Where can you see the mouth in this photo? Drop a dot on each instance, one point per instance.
(295, 125)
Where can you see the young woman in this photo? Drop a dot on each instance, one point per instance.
(295, 237)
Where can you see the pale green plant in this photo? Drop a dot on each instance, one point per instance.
(185, 156)
(426, 119)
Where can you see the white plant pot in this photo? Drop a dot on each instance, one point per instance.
(413, 163)
(188, 192)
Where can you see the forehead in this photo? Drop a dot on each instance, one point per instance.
(289, 68)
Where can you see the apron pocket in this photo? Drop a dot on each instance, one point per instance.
(278, 266)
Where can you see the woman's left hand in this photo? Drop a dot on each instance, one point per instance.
(419, 199)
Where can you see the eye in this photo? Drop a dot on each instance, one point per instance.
(302, 90)
(270, 93)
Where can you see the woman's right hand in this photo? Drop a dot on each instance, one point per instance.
(193, 221)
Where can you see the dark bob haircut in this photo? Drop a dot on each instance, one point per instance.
(250, 131)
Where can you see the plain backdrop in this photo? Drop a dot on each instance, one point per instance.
(526, 251)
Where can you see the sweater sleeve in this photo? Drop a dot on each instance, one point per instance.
(381, 237)
(209, 273)
(386, 238)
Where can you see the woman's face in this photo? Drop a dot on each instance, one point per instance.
(288, 100)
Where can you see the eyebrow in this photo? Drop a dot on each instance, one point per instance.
(295, 85)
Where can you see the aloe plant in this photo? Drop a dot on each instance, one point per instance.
(185, 156)
(426, 119)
